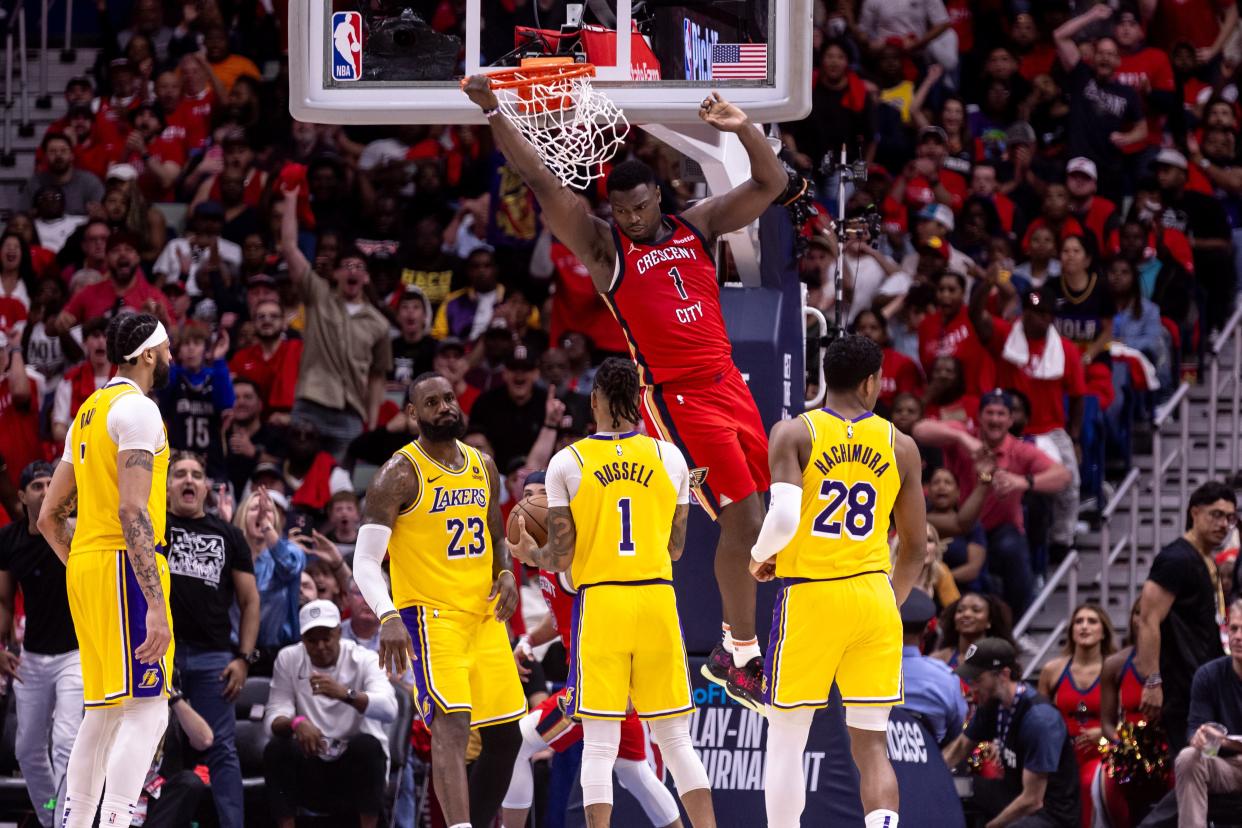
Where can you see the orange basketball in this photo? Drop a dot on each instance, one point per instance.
(535, 509)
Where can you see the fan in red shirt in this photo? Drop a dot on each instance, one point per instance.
(21, 390)
(1031, 357)
(898, 374)
(948, 332)
(924, 181)
(193, 112)
(1202, 22)
(156, 150)
(1149, 71)
(658, 275)
(1035, 53)
(577, 306)
(125, 287)
(1055, 215)
(272, 362)
(984, 183)
(1094, 212)
(127, 95)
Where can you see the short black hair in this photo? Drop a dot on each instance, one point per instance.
(1208, 493)
(351, 251)
(617, 381)
(961, 280)
(849, 361)
(426, 376)
(247, 381)
(95, 325)
(54, 136)
(629, 174)
(126, 332)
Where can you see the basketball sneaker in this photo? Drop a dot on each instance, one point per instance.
(745, 684)
(718, 666)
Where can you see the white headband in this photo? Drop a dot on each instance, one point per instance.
(158, 337)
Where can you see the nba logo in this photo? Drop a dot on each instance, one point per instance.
(346, 46)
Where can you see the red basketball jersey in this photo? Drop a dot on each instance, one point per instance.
(560, 600)
(668, 303)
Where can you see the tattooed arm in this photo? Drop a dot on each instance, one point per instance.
(59, 504)
(557, 554)
(134, 469)
(677, 538)
(504, 582)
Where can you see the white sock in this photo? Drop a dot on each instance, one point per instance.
(84, 775)
(521, 793)
(726, 637)
(655, 798)
(142, 726)
(744, 651)
(784, 784)
(600, 740)
(880, 818)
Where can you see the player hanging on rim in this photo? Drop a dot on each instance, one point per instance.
(435, 506)
(115, 470)
(837, 474)
(618, 503)
(657, 274)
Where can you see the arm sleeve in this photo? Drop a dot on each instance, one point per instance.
(564, 475)
(381, 700)
(369, 553)
(60, 403)
(678, 471)
(1043, 733)
(280, 699)
(66, 456)
(781, 522)
(134, 423)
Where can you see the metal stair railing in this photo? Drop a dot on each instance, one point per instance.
(1162, 459)
(15, 29)
(1231, 333)
(1068, 572)
(1110, 551)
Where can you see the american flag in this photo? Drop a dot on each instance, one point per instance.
(731, 61)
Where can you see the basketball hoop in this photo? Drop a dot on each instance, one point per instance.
(574, 127)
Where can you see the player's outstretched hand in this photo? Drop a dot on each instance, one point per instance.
(763, 571)
(524, 550)
(504, 591)
(396, 651)
(721, 114)
(478, 88)
(158, 637)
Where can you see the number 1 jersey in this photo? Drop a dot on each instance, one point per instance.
(440, 553)
(668, 303)
(848, 488)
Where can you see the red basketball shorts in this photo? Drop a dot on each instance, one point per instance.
(560, 732)
(717, 427)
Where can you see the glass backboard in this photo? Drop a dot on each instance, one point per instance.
(401, 61)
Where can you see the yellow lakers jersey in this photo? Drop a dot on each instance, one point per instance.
(848, 489)
(441, 551)
(623, 510)
(94, 469)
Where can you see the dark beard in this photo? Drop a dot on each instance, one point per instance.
(442, 433)
(159, 381)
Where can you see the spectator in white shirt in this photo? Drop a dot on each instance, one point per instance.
(184, 258)
(328, 703)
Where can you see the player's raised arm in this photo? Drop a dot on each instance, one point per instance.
(504, 583)
(58, 506)
(910, 516)
(788, 452)
(394, 487)
(586, 236)
(134, 471)
(747, 201)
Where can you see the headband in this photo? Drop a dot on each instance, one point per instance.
(158, 337)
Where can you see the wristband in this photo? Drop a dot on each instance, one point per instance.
(297, 720)
(491, 113)
(388, 616)
(1153, 680)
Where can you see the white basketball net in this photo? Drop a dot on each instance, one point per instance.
(574, 128)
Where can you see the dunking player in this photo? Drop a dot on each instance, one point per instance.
(114, 469)
(547, 726)
(436, 506)
(657, 274)
(618, 503)
(837, 475)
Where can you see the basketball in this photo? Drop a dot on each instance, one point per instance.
(535, 509)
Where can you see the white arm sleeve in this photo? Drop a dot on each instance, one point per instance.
(781, 522)
(564, 475)
(369, 554)
(678, 471)
(60, 402)
(66, 456)
(134, 423)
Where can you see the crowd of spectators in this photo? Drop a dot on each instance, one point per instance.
(1057, 201)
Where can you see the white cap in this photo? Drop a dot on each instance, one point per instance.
(1085, 166)
(318, 613)
(122, 172)
(1172, 158)
(938, 212)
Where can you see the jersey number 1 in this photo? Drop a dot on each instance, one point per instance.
(859, 503)
(626, 547)
(678, 283)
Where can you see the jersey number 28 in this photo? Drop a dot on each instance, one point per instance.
(858, 503)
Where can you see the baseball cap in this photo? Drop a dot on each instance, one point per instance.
(984, 655)
(261, 280)
(1020, 133)
(209, 210)
(938, 246)
(521, 359)
(120, 237)
(535, 477)
(933, 131)
(938, 212)
(918, 608)
(1172, 158)
(450, 343)
(1042, 298)
(997, 396)
(318, 613)
(122, 172)
(1082, 166)
(266, 468)
(33, 471)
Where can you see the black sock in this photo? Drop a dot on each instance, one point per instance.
(491, 772)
